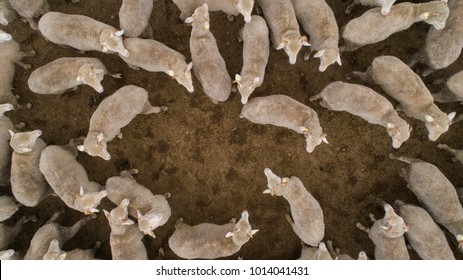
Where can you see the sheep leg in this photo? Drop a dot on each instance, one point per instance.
(351, 6)
(362, 227)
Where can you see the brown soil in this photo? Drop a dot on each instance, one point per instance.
(210, 160)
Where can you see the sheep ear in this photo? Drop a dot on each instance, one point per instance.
(451, 115)
(237, 78)
(104, 48)
(282, 45)
(304, 41)
(302, 129)
(119, 33)
(81, 148)
(429, 118)
(100, 137)
(11, 133)
(338, 60)
(189, 66)
(254, 231)
(106, 213)
(425, 15)
(390, 125)
(139, 215)
(189, 20)
(229, 234)
(79, 78)
(319, 53)
(81, 191)
(207, 25)
(170, 73)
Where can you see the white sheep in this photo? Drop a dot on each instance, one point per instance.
(255, 57)
(8, 234)
(442, 47)
(387, 235)
(423, 234)
(230, 7)
(5, 151)
(43, 236)
(30, 9)
(366, 103)
(134, 18)
(318, 20)
(7, 13)
(208, 64)
(405, 86)
(28, 184)
(373, 27)
(312, 253)
(113, 113)
(67, 73)
(154, 56)
(125, 239)
(210, 241)
(282, 22)
(457, 154)
(152, 211)
(9, 255)
(283, 111)
(8, 206)
(384, 4)
(55, 253)
(82, 33)
(452, 91)
(69, 180)
(307, 215)
(435, 192)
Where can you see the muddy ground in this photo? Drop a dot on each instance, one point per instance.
(210, 160)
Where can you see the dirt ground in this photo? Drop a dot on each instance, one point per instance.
(211, 160)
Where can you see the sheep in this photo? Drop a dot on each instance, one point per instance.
(134, 18)
(336, 253)
(28, 184)
(9, 255)
(435, 192)
(69, 180)
(255, 57)
(82, 33)
(282, 22)
(452, 91)
(30, 9)
(318, 20)
(442, 47)
(366, 103)
(283, 111)
(8, 207)
(55, 253)
(125, 239)
(401, 83)
(423, 234)
(5, 152)
(373, 27)
(387, 235)
(384, 4)
(230, 7)
(312, 253)
(151, 210)
(8, 234)
(307, 215)
(210, 241)
(67, 73)
(7, 13)
(113, 113)
(457, 154)
(154, 56)
(50, 231)
(208, 65)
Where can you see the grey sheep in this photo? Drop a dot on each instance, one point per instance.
(208, 64)
(423, 234)
(312, 253)
(318, 20)
(82, 33)
(230, 7)
(387, 235)
(9, 255)
(405, 86)
(69, 180)
(457, 154)
(7, 13)
(255, 57)
(55, 253)
(435, 192)
(442, 47)
(366, 103)
(373, 27)
(210, 241)
(125, 239)
(51, 230)
(113, 113)
(30, 9)
(8, 234)
(452, 91)
(282, 22)
(28, 184)
(5, 151)
(384, 4)
(307, 216)
(154, 56)
(8, 206)
(67, 73)
(283, 111)
(134, 18)
(152, 211)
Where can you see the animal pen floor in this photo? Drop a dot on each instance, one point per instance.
(211, 160)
